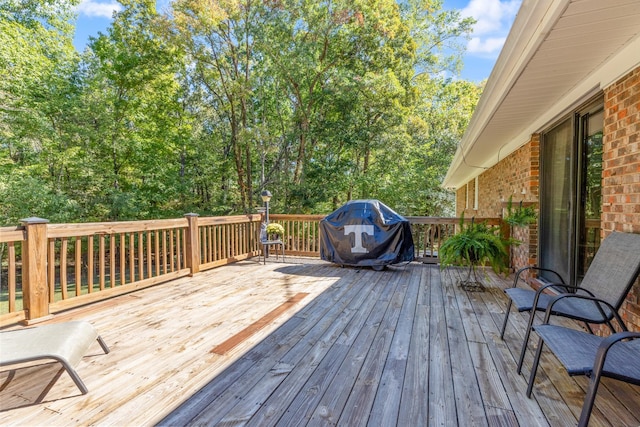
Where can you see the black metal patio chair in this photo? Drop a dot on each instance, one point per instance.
(612, 272)
(616, 356)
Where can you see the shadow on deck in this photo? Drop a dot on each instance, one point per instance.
(307, 344)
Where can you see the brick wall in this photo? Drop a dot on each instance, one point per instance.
(518, 172)
(621, 170)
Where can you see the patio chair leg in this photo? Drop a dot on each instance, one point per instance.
(506, 318)
(534, 368)
(596, 374)
(589, 399)
(523, 351)
(103, 344)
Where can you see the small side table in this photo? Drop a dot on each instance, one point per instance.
(266, 244)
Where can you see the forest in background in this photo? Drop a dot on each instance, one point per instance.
(200, 107)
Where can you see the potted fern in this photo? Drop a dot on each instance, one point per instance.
(476, 245)
(521, 216)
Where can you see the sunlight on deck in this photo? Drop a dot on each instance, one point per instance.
(305, 344)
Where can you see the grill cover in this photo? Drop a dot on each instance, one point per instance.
(365, 233)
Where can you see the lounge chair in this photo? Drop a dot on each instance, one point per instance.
(616, 356)
(610, 276)
(65, 342)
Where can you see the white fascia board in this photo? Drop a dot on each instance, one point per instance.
(616, 67)
(533, 23)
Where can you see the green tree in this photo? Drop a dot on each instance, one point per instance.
(218, 37)
(132, 109)
(37, 62)
(407, 173)
(439, 35)
(201, 108)
(332, 57)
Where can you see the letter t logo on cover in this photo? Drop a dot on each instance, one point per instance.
(358, 230)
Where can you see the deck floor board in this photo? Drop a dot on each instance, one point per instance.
(404, 346)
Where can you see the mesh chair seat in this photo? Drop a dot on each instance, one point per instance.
(577, 309)
(616, 356)
(577, 351)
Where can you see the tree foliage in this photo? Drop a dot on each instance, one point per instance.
(200, 108)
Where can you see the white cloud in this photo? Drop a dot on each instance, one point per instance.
(493, 20)
(94, 8)
(491, 15)
(489, 45)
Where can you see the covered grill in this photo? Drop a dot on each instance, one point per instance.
(365, 233)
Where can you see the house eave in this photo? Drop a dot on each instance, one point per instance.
(522, 96)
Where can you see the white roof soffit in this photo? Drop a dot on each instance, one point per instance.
(558, 54)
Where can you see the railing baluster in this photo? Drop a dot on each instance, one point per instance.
(90, 264)
(140, 255)
(156, 251)
(112, 261)
(63, 268)
(11, 276)
(214, 238)
(203, 245)
(101, 262)
(51, 269)
(164, 251)
(123, 257)
(172, 250)
(132, 265)
(147, 237)
(77, 261)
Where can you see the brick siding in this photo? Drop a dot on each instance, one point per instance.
(517, 172)
(620, 185)
(621, 171)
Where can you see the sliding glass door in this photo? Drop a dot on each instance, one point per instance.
(555, 205)
(590, 185)
(570, 196)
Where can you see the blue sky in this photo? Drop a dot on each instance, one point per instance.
(494, 18)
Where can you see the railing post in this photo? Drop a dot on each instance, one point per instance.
(193, 244)
(35, 291)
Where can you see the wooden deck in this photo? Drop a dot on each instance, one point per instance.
(306, 344)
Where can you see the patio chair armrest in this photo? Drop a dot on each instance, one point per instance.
(597, 301)
(607, 343)
(564, 286)
(533, 267)
(618, 336)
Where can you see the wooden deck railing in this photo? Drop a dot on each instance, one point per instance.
(430, 232)
(47, 268)
(301, 233)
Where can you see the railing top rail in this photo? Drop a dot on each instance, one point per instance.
(17, 233)
(87, 229)
(12, 234)
(284, 217)
(450, 220)
(234, 219)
